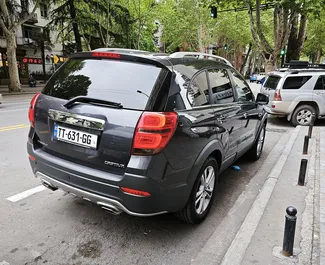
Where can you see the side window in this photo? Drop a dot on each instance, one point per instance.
(320, 85)
(244, 93)
(295, 82)
(221, 86)
(198, 92)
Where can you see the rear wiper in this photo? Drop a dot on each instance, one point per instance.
(83, 99)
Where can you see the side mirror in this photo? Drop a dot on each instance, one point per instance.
(262, 99)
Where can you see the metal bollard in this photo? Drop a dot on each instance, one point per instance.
(310, 131)
(289, 231)
(302, 172)
(306, 142)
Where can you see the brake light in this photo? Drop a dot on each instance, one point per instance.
(135, 192)
(31, 112)
(277, 95)
(153, 132)
(106, 55)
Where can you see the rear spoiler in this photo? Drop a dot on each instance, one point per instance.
(122, 57)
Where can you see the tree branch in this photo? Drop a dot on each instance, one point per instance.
(22, 21)
(259, 30)
(5, 11)
(4, 28)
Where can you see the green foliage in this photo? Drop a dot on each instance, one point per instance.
(315, 37)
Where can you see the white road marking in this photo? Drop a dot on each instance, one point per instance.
(4, 262)
(25, 194)
(3, 111)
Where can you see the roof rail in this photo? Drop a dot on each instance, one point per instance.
(199, 55)
(296, 64)
(130, 51)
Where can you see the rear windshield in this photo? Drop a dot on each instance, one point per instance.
(295, 82)
(116, 81)
(272, 82)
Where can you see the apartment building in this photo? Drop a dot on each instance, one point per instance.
(28, 53)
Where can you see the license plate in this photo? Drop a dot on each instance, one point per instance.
(75, 137)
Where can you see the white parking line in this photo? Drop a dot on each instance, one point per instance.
(12, 110)
(25, 194)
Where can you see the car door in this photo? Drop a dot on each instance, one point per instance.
(227, 112)
(319, 94)
(249, 111)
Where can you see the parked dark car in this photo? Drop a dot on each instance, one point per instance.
(142, 133)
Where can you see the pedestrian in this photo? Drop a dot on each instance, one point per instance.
(31, 81)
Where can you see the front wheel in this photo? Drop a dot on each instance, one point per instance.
(201, 197)
(256, 150)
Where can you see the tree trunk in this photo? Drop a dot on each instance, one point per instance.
(199, 36)
(318, 55)
(246, 57)
(297, 38)
(270, 65)
(14, 85)
(75, 26)
(43, 60)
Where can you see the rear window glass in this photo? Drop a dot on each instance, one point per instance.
(116, 81)
(272, 82)
(295, 82)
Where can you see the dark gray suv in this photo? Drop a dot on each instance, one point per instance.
(143, 133)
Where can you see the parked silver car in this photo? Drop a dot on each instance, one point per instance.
(296, 92)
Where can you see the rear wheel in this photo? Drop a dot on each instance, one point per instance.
(200, 200)
(303, 115)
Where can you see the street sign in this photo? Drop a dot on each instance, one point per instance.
(33, 60)
(55, 59)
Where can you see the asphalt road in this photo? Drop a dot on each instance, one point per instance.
(54, 228)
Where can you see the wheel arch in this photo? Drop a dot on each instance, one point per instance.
(311, 103)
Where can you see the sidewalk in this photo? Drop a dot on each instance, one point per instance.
(25, 89)
(260, 237)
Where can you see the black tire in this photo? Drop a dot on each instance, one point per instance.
(255, 152)
(189, 213)
(295, 116)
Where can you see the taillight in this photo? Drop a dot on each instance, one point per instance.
(106, 55)
(135, 192)
(153, 132)
(277, 95)
(31, 112)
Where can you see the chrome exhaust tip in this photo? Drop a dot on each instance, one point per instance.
(111, 209)
(48, 185)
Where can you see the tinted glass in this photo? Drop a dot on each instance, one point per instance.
(272, 82)
(198, 92)
(115, 81)
(295, 82)
(221, 86)
(320, 85)
(243, 91)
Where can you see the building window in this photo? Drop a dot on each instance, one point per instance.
(44, 9)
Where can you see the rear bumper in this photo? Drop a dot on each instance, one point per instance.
(279, 108)
(107, 204)
(103, 188)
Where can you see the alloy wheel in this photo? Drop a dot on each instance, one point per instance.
(205, 190)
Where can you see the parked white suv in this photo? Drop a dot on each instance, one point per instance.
(296, 92)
